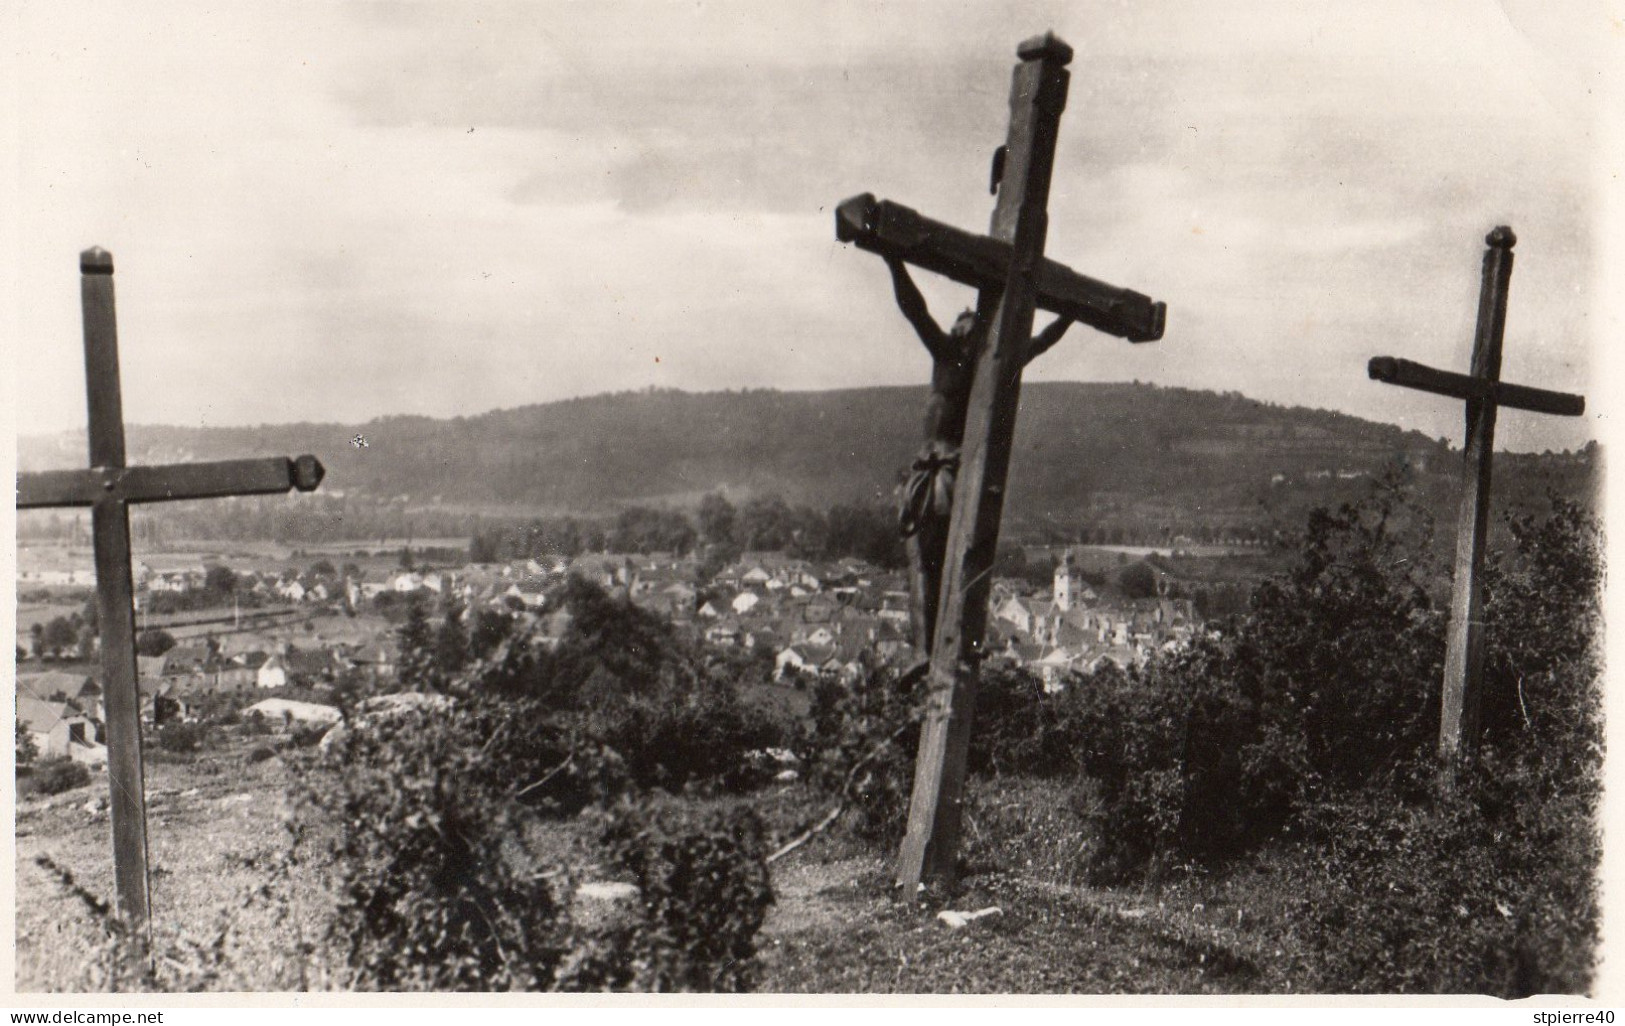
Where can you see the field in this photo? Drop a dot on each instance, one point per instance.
(217, 830)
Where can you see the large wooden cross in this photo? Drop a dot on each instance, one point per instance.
(1485, 393)
(1009, 269)
(109, 487)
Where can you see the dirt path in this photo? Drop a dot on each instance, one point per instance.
(836, 929)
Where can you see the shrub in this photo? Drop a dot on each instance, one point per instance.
(57, 774)
(671, 740)
(1330, 682)
(428, 823)
(1315, 715)
(305, 735)
(860, 745)
(27, 747)
(704, 891)
(1466, 894)
(253, 725)
(154, 642)
(181, 738)
(622, 679)
(259, 753)
(435, 889)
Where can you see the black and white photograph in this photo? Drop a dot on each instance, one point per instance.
(1078, 498)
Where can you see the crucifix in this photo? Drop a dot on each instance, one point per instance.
(109, 488)
(1485, 393)
(989, 348)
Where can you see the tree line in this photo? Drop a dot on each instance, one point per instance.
(717, 530)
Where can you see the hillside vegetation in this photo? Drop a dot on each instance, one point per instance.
(1135, 463)
(1258, 811)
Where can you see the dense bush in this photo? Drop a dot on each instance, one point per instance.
(1508, 857)
(1021, 728)
(1046, 829)
(57, 774)
(1329, 682)
(860, 744)
(260, 753)
(181, 738)
(154, 642)
(703, 891)
(621, 678)
(427, 821)
(1312, 720)
(418, 825)
(1468, 893)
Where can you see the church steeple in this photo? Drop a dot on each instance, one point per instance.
(1063, 582)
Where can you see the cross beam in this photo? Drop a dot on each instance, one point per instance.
(1484, 392)
(109, 487)
(1464, 386)
(983, 262)
(1009, 269)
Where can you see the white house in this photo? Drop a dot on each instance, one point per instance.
(273, 673)
(1015, 612)
(406, 581)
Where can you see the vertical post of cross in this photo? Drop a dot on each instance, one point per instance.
(110, 523)
(1464, 655)
(1037, 98)
(1485, 393)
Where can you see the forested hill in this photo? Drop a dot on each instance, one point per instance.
(1105, 447)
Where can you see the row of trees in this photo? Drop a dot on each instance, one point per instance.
(717, 528)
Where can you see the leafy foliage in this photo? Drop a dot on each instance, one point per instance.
(57, 774)
(1138, 580)
(860, 744)
(27, 747)
(1329, 682)
(418, 670)
(154, 642)
(181, 738)
(433, 889)
(1509, 856)
(703, 893)
(1312, 720)
(621, 677)
(428, 822)
(427, 817)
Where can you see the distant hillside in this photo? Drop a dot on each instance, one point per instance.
(1176, 456)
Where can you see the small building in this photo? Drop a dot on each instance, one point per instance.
(273, 673)
(59, 729)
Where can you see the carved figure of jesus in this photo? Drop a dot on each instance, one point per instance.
(927, 498)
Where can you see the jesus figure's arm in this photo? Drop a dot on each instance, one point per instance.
(913, 306)
(1045, 339)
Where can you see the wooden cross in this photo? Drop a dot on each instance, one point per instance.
(1009, 269)
(109, 487)
(1485, 393)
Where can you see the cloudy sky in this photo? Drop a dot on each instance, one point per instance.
(333, 211)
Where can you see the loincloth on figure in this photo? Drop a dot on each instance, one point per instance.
(928, 495)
